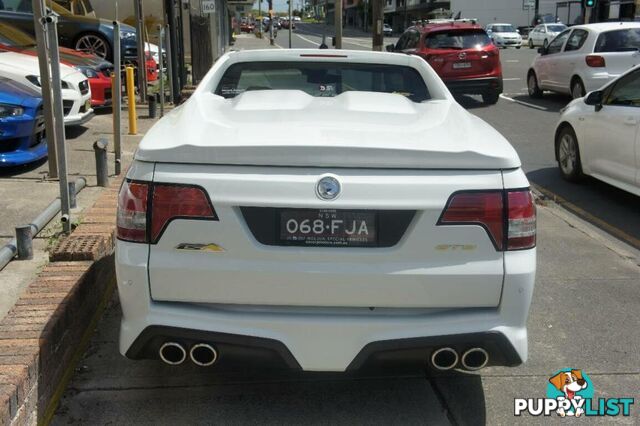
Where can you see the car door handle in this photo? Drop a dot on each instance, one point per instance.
(630, 121)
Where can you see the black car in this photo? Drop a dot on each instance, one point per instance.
(88, 34)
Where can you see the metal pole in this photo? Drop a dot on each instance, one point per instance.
(73, 203)
(259, 18)
(338, 24)
(102, 171)
(290, 21)
(271, 40)
(116, 95)
(9, 250)
(142, 60)
(50, 24)
(45, 82)
(161, 70)
(24, 242)
(587, 15)
(167, 34)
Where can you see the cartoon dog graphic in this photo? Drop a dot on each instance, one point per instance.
(569, 382)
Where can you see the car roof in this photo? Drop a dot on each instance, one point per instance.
(608, 26)
(446, 26)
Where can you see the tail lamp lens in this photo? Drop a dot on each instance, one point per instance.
(595, 61)
(131, 222)
(177, 201)
(522, 220)
(497, 212)
(478, 208)
(166, 201)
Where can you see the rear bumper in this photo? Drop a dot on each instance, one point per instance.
(324, 339)
(475, 86)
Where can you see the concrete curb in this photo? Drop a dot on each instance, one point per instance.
(43, 336)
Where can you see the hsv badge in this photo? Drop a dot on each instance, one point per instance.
(328, 188)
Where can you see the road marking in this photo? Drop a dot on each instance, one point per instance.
(513, 60)
(523, 103)
(610, 229)
(511, 79)
(308, 41)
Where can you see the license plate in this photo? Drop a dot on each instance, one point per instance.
(458, 65)
(346, 228)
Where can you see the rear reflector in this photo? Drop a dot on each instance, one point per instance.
(595, 61)
(477, 208)
(167, 202)
(497, 212)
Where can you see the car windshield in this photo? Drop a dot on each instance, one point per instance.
(12, 36)
(457, 40)
(626, 40)
(556, 28)
(503, 29)
(322, 79)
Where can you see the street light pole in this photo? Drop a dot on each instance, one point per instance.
(290, 20)
(378, 38)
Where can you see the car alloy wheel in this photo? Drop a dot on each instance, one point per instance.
(530, 44)
(532, 86)
(545, 44)
(93, 44)
(577, 89)
(569, 155)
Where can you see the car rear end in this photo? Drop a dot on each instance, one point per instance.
(465, 58)
(316, 254)
(615, 51)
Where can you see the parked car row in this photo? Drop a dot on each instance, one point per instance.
(597, 134)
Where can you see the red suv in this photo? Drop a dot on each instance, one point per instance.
(461, 53)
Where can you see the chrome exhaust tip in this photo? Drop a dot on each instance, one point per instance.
(203, 354)
(444, 358)
(475, 359)
(172, 353)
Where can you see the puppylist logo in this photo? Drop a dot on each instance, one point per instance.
(570, 392)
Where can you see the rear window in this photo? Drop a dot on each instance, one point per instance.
(323, 79)
(503, 29)
(556, 28)
(457, 40)
(627, 40)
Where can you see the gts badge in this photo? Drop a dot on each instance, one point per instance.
(456, 247)
(211, 247)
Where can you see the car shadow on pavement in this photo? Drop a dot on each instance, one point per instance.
(470, 102)
(553, 102)
(462, 394)
(74, 132)
(597, 202)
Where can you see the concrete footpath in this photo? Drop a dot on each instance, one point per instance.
(583, 316)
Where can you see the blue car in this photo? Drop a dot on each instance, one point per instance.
(22, 137)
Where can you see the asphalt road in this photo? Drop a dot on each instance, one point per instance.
(586, 296)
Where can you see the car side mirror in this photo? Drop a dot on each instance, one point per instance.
(594, 98)
(542, 50)
(518, 31)
(390, 47)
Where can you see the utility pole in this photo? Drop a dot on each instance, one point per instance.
(259, 18)
(536, 10)
(290, 21)
(271, 40)
(142, 63)
(338, 24)
(378, 37)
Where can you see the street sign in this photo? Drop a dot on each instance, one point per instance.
(528, 4)
(208, 6)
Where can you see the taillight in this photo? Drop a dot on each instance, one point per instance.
(595, 61)
(477, 208)
(177, 202)
(521, 230)
(509, 217)
(131, 222)
(167, 202)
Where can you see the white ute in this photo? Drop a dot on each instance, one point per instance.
(325, 212)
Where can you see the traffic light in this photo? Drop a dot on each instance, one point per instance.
(589, 3)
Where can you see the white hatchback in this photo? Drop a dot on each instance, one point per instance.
(542, 34)
(504, 35)
(598, 135)
(386, 224)
(583, 58)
